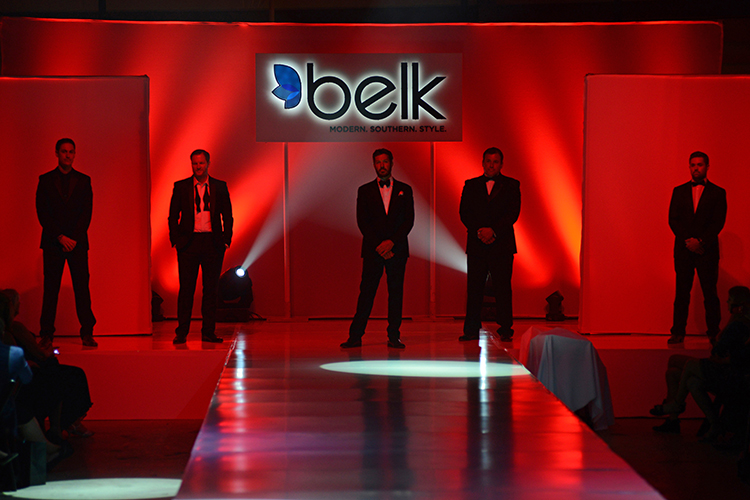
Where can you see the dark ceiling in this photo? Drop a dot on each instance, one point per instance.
(383, 11)
(735, 14)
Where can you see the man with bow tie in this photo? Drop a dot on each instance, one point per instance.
(64, 202)
(385, 215)
(697, 213)
(490, 205)
(200, 228)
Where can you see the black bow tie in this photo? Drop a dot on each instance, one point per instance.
(488, 179)
(206, 200)
(701, 183)
(384, 183)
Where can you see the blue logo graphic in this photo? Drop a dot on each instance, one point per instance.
(290, 85)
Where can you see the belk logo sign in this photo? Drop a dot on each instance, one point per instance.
(358, 97)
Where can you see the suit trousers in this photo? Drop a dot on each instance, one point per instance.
(200, 253)
(54, 264)
(372, 271)
(707, 267)
(500, 268)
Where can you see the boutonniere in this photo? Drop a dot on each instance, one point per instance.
(400, 193)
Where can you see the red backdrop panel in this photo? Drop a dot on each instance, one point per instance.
(322, 211)
(523, 88)
(640, 131)
(108, 119)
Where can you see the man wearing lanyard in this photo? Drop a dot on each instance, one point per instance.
(200, 228)
(697, 213)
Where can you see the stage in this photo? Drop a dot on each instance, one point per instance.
(146, 377)
(278, 425)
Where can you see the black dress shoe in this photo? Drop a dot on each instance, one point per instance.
(351, 343)
(212, 338)
(676, 339)
(179, 340)
(468, 336)
(395, 344)
(506, 334)
(88, 341)
(667, 409)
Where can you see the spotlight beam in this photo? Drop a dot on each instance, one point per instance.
(425, 368)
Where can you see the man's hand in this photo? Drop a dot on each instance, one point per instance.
(384, 249)
(486, 235)
(694, 246)
(67, 244)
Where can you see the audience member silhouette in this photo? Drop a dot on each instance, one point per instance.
(721, 374)
(13, 371)
(18, 413)
(58, 393)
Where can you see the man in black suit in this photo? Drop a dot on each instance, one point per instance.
(490, 205)
(200, 228)
(385, 215)
(64, 201)
(697, 213)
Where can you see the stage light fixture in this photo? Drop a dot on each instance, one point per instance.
(554, 307)
(236, 286)
(235, 296)
(156, 311)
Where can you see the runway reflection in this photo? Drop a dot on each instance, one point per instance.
(280, 426)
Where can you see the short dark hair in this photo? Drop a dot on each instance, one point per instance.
(382, 151)
(493, 151)
(739, 296)
(62, 141)
(201, 152)
(12, 295)
(699, 154)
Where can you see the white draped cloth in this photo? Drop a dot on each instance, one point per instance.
(568, 365)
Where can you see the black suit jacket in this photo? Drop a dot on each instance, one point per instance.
(499, 210)
(705, 223)
(67, 213)
(376, 226)
(182, 213)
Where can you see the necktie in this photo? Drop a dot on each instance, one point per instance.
(197, 200)
(384, 183)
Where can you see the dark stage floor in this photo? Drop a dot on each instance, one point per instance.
(280, 426)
